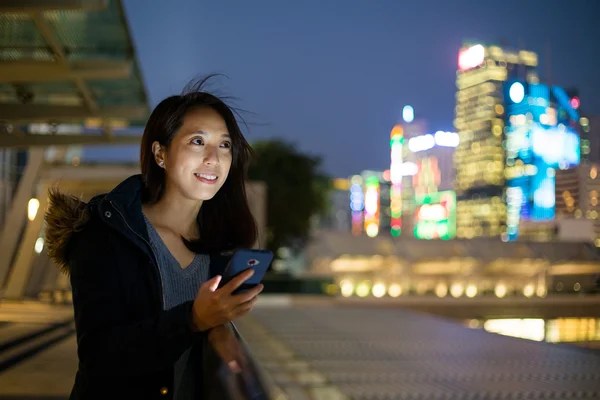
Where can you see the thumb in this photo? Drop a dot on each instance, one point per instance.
(213, 284)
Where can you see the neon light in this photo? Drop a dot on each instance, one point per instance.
(539, 140)
(428, 141)
(396, 143)
(471, 57)
(357, 206)
(421, 143)
(432, 212)
(544, 196)
(436, 216)
(372, 230)
(517, 92)
(575, 102)
(372, 206)
(386, 175)
(564, 101)
(408, 114)
(557, 147)
(446, 139)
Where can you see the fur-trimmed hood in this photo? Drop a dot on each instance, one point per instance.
(66, 215)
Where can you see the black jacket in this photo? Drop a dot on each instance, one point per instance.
(127, 345)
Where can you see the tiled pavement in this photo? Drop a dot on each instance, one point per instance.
(332, 352)
(370, 353)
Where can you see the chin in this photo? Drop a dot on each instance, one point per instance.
(202, 195)
(200, 191)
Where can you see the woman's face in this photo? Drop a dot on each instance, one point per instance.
(199, 157)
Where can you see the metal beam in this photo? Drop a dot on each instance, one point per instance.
(44, 71)
(46, 113)
(83, 174)
(21, 268)
(17, 215)
(28, 141)
(56, 47)
(12, 6)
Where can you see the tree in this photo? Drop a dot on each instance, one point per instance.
(296, 191)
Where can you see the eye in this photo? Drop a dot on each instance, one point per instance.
(226, 145)
(197, 140)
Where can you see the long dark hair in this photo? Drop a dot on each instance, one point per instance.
(225, 222)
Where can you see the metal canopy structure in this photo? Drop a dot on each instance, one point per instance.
(68, 62)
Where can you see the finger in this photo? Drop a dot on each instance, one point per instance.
(234, 366)
(244, 308)
(213, 284)
(237, 281)
(248, 294)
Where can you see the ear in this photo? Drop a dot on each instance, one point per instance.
(159, 154)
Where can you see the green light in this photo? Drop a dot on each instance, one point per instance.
(436, 225)
(396, 140)
(372, 181)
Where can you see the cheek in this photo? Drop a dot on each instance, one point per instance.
(180, 164)
(226, 163)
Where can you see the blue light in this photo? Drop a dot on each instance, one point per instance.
(556, 146)
(408, 114)
(517, 92)
(356, 198)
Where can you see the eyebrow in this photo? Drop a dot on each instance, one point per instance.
(199, 131)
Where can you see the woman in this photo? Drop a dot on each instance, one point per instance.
(145, 259)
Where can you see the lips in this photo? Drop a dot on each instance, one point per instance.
(206, 178)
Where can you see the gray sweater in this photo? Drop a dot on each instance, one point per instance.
(179, 285)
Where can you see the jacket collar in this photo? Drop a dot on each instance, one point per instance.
(121, 210)
(126, 201)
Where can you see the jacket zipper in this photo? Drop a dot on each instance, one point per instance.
(162, 296)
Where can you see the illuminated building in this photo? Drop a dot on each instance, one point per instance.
(396, 162)
(480, 122)
(372, 206)
(590, 138)
(357, 204)
(385, 214)
(433, 177)
(432, 154)
(541, 136)
(578, 194)
(416, 127)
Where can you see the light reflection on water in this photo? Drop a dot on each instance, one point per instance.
(560, 330)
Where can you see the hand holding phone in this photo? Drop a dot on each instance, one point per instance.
(243, 260)
(217, 302)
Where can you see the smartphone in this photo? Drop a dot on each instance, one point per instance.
(242, 260)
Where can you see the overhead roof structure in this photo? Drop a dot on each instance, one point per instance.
(68, 62)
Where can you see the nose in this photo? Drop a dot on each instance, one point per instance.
(211, 156)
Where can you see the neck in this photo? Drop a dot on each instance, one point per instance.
(175, 213)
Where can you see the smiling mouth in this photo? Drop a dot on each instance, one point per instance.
(206, 177)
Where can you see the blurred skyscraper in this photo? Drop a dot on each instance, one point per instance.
(480, 123)
(578, 195)
(590, 138)
(515, 133)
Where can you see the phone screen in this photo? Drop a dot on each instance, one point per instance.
(258, 260)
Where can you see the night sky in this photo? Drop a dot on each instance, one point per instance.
(332, 76)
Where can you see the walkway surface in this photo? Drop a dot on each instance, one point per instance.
(330, 352)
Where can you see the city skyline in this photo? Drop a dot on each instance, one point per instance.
(333, 78)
